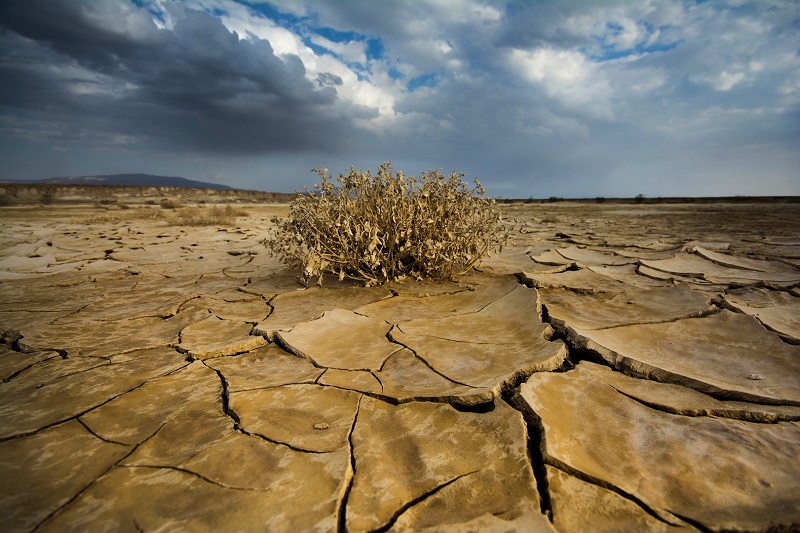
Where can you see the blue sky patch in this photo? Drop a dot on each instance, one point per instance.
(287, 20)
(426, 80)
(374, 48)
(611, 51)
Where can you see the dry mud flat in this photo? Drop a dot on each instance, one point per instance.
(622, 368)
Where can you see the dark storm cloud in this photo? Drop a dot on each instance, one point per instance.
(196, 86)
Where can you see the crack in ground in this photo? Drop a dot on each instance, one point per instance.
(20, 371)
(580, 351)
(281, 385)
(95, 480)
(197, 475)
(641, 370)
(77, 372)
(179, 307)
(90, 430)
(374, 375)
(383, 363)
(425, 362)
(704, 529)
(456, 313)
(535, 439)
(449, 339)
(349, 477)
(537, 455)
(561, 328)
(533, 284)
(419, 499)
(452, 401)
(489, 303)
(578, 345)
(788, 339)
(588, 478)
(285, 346)
(730, 413)
(705, 313)
(77, 416)
(73, 312)
(237, 421)
(292, 447)
(533, 442)
(226, 406)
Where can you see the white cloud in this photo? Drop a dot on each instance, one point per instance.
(567, 76)
(546, 124)
(623, 29)
(721, 81)
(354, 89)
(122, 19)
(711, 122)
(350, 52)
(630, 34)
(242, 20)
(446, 13)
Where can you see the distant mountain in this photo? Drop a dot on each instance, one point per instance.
(145, 180)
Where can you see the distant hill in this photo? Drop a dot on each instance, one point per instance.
(144, 180)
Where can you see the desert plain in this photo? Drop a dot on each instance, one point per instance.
(619, 367)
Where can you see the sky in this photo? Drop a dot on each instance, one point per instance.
(537, 98)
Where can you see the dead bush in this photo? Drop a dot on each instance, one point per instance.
(215, 216)
(106, 216)
(167, 203)
(387, 226)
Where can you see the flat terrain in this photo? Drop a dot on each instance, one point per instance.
(619, 367)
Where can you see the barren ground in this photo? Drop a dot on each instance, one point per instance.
(620, 367)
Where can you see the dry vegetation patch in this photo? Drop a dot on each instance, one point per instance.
(203, 216)
(173, 216)
(387, 226)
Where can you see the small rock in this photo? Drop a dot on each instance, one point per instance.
(755, 376)
(321, 425)
(10, 336)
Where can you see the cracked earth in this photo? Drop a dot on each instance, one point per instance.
(621, 368)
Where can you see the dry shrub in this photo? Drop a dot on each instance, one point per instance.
(184, 216)
(388, 226)
(117, 217)
(216, 216)
(167, 203)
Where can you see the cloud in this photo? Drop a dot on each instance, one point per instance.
(567, 76)
(196, 86)
(594, 98)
